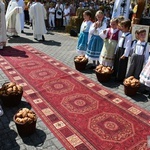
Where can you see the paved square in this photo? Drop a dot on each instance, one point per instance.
(62, 47)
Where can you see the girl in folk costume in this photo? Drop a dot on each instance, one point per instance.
(140, 55)
(145, 76)
(120, 18)
(96, 42)
(110, 36)
(3, 36)
(123, 50)
(84, 33)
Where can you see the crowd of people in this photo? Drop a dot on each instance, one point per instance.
(42, 15)
(113, 46)
(59, 12)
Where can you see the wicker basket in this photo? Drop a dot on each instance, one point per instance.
(25, 129)
(103, 77)
(80, 65)
(130, 91)
(11, 100)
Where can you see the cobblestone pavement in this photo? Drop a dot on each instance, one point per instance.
(62, 47)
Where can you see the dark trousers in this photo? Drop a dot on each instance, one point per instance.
(58, 23)
(120, 65)
(135, 66)
(26, 15)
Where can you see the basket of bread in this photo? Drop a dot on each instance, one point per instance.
(25, 121)
(131, 85)
(80, 62)
(11, 94)
(103, 73)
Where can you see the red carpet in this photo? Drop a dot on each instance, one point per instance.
(82, 114)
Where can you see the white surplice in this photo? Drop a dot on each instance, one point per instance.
(38, 16)
(121, 8)
(13, 25)
(3, 36)
(21, 4)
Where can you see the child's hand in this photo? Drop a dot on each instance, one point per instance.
(122, 57)
(96, 25)
(104, 32)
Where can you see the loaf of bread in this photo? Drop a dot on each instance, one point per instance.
(103, 69)
(80, 58)
(131, 82)
(10, 88)
(25, 116)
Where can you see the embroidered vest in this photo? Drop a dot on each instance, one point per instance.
(112, 36)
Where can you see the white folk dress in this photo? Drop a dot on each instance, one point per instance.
(95, 43)
(83, 37)
(110, 42)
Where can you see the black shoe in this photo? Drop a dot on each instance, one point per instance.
(40, 40)
(15, 36)
(118, 80)
(92, 67)
(146, 92)
(43, 38)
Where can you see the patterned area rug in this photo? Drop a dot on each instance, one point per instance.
(82, 114)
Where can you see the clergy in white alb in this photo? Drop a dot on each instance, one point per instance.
(38, 16)
(21, 4)
(13, 25)
(3, 36)
(121, 8)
